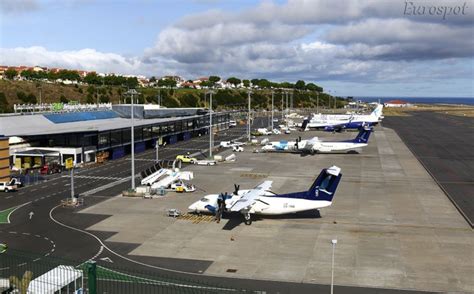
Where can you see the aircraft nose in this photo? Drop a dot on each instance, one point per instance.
(192, 206)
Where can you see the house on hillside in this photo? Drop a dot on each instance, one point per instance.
(177, 79)
(397, 103)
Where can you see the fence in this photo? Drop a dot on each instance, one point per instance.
(22, 272)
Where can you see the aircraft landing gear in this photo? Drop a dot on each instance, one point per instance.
(248, 219)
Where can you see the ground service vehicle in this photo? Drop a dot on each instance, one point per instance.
(186, 159)
(7, 187)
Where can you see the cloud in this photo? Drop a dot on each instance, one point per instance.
(402, 39)
(85, 59)
(319, 40)
(18, 6)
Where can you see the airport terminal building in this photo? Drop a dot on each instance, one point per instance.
(84, 135)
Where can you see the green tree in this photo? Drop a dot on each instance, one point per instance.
(104, 99)
(27, 74)
(152, 79)
(89, 98)
(167, 83)
(214, 79)
(63, 99)
(22, 96)
(313, 87)
(286, 85)
(189, 100)
(93, 79)
(11, 73)
(32, 98)
(246, 83)
(300, 85)
(234, 81)
(3, 103)
(91, 90)
(206, 84)
(132, 82)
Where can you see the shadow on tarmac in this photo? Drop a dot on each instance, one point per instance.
(236, 219)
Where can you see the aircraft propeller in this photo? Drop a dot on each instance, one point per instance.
(236, 189)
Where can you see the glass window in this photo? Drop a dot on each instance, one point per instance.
(155, 130)
(116, 138)
(164, 129)
(138, 134)
(171, 128)
(147, 132)
(126, 135)
(104, 140)
(178, 126)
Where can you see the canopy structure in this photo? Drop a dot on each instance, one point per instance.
(55, 280)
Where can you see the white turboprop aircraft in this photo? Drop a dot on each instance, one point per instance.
(261, 200)
(316, 145)
(337, 122)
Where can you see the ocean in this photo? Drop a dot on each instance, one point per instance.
(423, 100)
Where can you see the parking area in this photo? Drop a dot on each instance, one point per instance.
(395, 227)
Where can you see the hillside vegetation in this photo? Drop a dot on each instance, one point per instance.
(21, 92)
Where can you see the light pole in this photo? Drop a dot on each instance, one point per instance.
(157, 146)
(248, 117)
(272, 108)
(282, 105)
(334, 242)
(287, 109)
(41, 90)
(317, 101)
(211, 135)
(132, 92)
(291, 101)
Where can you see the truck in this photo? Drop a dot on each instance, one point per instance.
(7, 187)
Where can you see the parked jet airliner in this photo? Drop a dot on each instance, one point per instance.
(316, 145)
(338, 122)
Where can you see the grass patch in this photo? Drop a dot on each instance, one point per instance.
(4, 215)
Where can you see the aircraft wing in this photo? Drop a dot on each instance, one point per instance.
(248, 199)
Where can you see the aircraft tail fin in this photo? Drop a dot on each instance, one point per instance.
(363, 136)
(325, 185)
(304, 124)
(377, 111)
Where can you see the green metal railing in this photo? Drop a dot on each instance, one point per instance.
(22, 272)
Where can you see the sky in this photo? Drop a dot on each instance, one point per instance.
(349, 47)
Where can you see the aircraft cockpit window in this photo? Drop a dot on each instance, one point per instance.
(204, 199)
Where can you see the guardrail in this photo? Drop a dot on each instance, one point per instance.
(22, 272)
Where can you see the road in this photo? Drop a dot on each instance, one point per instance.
(444, 144)
(53, 231)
